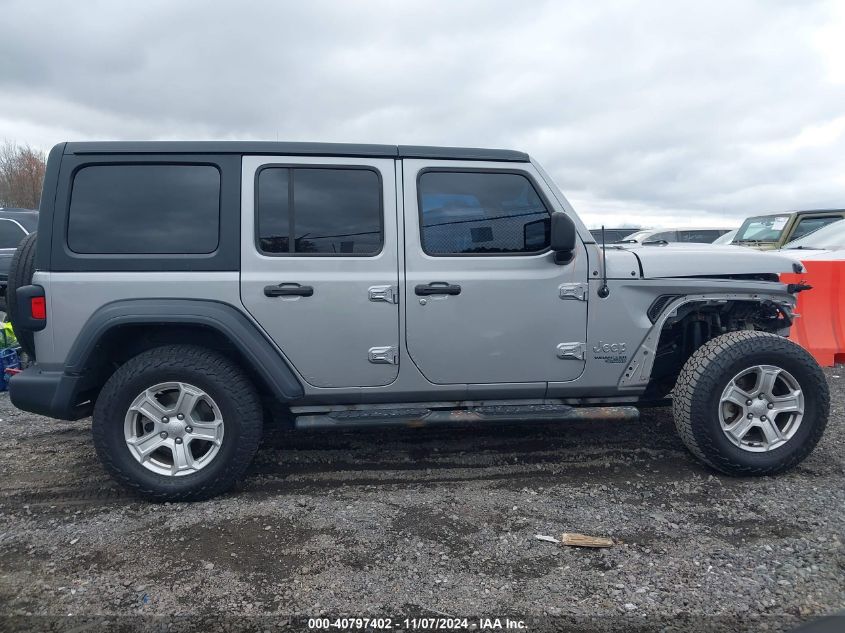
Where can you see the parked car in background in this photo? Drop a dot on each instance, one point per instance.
(727, 238)
(768, 232)
(826, 243)
(656, 236)
(15, 224)
(613, 235)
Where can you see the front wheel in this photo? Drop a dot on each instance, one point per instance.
(751, 403)
(177, 423)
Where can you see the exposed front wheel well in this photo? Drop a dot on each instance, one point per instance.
(696, 323)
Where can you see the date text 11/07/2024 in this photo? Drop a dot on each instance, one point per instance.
(417, 624)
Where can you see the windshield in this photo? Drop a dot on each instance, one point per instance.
(635, 237)
(830, 237)
(727, 238)
(765, 228)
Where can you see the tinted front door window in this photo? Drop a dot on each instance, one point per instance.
(481, 212)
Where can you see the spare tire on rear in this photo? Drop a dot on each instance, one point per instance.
(20, 274)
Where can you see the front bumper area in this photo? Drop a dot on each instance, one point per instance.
(54, 394)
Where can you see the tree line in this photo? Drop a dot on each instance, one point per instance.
(21, 175)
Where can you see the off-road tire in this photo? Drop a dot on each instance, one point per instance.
(223, 380)
(698, 391)
(20, 274)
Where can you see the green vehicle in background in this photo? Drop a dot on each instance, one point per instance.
(767, 232)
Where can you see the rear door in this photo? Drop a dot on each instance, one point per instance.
(485, 302)
(319, 268)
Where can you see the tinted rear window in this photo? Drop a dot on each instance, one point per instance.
(10, 234)
(150, 208)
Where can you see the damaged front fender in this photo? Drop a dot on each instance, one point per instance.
(776, 310)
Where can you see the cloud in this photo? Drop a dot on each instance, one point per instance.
(670, 113)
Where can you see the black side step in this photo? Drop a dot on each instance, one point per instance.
(419, 417)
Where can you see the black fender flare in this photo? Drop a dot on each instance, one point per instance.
(258, 350)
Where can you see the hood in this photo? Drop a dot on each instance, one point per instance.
(703, 260)
(814, 253)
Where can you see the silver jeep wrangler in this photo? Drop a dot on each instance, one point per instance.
(184, 292)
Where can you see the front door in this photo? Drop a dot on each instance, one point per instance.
(319, 268)
(485, 302)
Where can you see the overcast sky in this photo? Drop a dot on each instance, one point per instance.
(651, 113)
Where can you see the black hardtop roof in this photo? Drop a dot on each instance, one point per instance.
(796, 212)
(294, 149)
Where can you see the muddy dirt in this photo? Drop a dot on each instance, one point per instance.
(425, 523)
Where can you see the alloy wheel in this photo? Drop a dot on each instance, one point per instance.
(174, 429)
(761, 408)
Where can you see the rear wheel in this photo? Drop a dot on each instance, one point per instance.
(751, 403)
(177, 423)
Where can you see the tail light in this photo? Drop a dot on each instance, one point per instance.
(32, 308)
(38, 307)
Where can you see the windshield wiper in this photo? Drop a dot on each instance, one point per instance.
(805, 248)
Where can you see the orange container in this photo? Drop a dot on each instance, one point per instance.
(820, 326)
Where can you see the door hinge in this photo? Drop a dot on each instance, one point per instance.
(388, 294)
(383, 355)
(577, 291)
(572, 351)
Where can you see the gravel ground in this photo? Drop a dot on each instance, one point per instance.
(423, 523)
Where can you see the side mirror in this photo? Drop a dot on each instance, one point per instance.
(563, 236)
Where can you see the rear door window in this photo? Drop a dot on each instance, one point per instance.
(10, 234)
(145, 209)
(319, 211)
